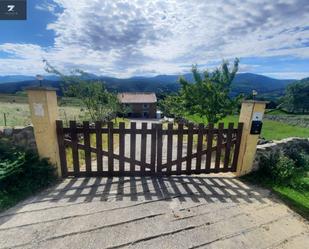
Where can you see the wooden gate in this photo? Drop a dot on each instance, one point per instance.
(147, 149)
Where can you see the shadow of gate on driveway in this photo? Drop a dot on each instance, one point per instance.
(185, 188)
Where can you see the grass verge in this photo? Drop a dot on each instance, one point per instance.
(272, 130)
(296, 197)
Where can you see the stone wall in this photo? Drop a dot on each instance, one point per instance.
(275, 145)
(296, 120)
(23, 136)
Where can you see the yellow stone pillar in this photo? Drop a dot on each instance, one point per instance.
(44, 113)
(250, 110)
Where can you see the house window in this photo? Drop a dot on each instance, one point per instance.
(145, 106)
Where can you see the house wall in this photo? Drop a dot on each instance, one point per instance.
(138, 110)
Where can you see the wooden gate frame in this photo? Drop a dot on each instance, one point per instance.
(44, 124)
(156, 165)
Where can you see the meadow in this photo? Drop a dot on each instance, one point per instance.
(18, 114)
(16, 109)
(272, 130)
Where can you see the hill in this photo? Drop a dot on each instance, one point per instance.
(14, 87)
(18, 78)
(243, 83)
(246, 82)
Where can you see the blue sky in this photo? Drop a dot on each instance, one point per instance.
(123, 38)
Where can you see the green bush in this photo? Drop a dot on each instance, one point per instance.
(299, 155)
(276, 166)
(21, 173)
(284, 169)
(282, 165)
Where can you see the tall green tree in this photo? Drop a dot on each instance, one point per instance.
(296, 98)
(208, 96)
(100, 104)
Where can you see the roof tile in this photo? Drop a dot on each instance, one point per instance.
(137, 97)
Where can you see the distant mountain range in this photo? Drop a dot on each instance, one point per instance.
(17, 78)
(243, 83)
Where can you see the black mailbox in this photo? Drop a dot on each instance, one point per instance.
(256, 127)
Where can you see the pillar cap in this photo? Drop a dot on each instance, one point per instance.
(40, 88)
(255, 101)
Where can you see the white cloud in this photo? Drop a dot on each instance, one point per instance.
(46, 6)
(124, 37)
(287, 75)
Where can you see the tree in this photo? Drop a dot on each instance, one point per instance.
(171, 106)
(100, 104)
(208, 96)
(296, 98)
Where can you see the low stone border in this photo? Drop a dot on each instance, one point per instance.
(20, 136)
(275, 145)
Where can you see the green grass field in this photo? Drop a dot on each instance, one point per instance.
(276, 112)
(21, 98)
(13, 98)
(18, 114)
(16, 109)
(271, 130)
(295, 198)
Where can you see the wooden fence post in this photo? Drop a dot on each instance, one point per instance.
(4, 118)
(44, 113)
(250, 110)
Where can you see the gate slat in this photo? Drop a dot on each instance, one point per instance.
(98, 127)
(199, 148)
(219, 147)
(121, 146)
(228, 146)
(210, 131)
(110, 147)
(75, 156)
(159, 148)
(87, 146)
(153, 147)
(237, 146)
(132, 146)
(169, 155)
(189, 148)
(143, 146)
(62, 152)
(179, 148)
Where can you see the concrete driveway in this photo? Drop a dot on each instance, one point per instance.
(213, 211)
